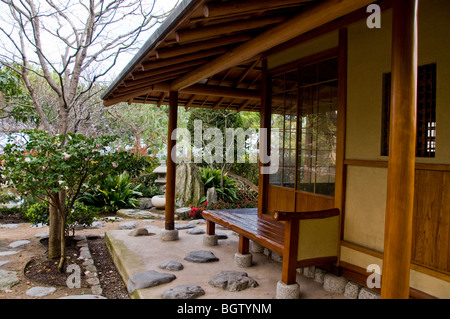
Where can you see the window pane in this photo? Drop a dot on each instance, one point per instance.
(284, 118)
(317, 134)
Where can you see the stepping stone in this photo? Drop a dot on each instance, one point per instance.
(40, 291)
(97, 225)
(83, 297)
(201, 256)
(171, 265)
(38, 225)
(10, 226)
(3, 262)
(148, 279)
(197, 222)
(183, 292)
(195, 231)
(112, 219)
(184, 226)
(7, 253)
(233, 281)
(19, 243)
(42, 235)
(137, 213)
(221, 236)
(8, 279)
(139, 232)
(128, 225)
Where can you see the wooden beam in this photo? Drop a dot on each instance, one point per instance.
(247, 72)
(301, 23)
(197, 34)
(243, 106)
(183, 58)
(218, 103)
(171, 165)
(217, 9)
(145, 82)
(198, 89)
(161, 99)
(402, 144)
(196, 47)
(167, 69)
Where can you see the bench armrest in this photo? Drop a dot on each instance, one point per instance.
(290, 216)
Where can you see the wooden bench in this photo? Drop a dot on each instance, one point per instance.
(302, 238)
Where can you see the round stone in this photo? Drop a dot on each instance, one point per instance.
(243, 260)
(169, 235)
(287, 291)
(210, 240)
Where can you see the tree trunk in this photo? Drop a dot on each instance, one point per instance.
(54, 242)
(62, 235)
(62, 213)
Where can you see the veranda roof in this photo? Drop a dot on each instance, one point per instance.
(211, 51)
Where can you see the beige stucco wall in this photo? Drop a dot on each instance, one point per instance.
(368, 58)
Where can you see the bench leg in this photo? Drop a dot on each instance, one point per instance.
(243, 258)
(210, 238)
(287, 287)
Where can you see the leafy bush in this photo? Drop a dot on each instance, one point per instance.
(38, 213)
(80, 216)
(212, 178)
(113, 193)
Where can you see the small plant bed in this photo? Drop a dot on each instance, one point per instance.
(43, 270)
(110, 280)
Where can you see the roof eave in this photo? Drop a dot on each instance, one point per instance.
(173, 19)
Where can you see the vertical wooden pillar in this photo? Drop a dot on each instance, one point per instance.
(264, 143)
(402, 144)
(171, 165)
(290, 252)
(341, 169)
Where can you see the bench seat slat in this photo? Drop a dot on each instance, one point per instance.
(247, 223)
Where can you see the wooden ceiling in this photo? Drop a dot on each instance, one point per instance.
(197, 33)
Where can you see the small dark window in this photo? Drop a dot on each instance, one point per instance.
(426, 112)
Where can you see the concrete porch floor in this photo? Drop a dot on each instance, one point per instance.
(136, 254)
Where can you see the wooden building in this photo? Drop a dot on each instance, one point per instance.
(363, 111)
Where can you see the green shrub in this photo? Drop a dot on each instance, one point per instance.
(80, 216)
(38, 213)
(113, 193)
(212, 178)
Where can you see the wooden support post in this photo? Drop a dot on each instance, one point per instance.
(290, 252)
(171, 165)
(264, 142)
(244, 245)
(400, 180)
(210, 228)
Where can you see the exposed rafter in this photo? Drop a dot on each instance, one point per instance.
(303, 22)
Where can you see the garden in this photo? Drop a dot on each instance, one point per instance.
(79, 180)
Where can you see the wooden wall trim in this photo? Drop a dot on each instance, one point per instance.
(340, 169)
(414, 266)
(384, 164)
(359, 275)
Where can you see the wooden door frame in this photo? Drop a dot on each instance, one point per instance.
(340, 52)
